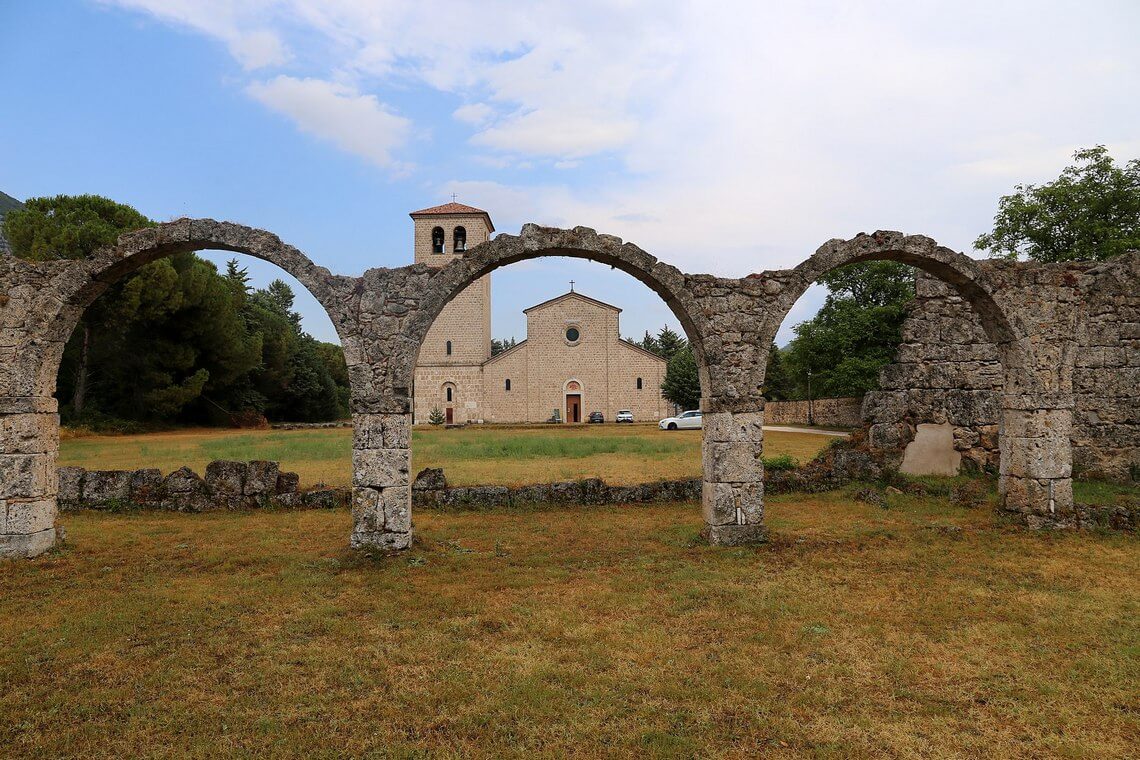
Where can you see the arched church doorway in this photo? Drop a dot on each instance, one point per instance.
(573, 404)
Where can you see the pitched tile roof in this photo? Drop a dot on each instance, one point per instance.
(453, 209)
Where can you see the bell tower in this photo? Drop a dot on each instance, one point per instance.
(449, 368)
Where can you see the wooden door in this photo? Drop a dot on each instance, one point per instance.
(450, 415)
(574, 408)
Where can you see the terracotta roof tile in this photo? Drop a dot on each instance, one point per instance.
(454, 208)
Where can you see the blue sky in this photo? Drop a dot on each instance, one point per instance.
(725, 138)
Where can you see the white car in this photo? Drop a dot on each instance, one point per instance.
(690, 420)
(624, 415)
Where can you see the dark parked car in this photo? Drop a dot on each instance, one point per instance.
(596, 417)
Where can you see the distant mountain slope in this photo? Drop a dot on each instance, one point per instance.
(7, 203)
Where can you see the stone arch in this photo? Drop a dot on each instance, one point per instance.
(52, 297)
(956, 269)
(443, 284)
(1036, 357)
(413, 297)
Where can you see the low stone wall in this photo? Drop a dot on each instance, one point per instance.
(227, 485)
(431, 490)
(826, 412)
(311, 425)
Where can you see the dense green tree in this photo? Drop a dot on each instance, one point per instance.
(665, 344)
(778, 382)
(669, 343)
(68, 226)
(854, 334)
(177, 341)
(1090, 212)
(682, 384)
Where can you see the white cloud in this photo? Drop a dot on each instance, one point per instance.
(355, 123)
(473, 113)
(238, 24)
(727, 137)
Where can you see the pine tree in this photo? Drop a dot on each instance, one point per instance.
(682, 384)
(669, 343)
(436, 417)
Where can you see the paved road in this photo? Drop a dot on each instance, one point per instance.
(786, 429)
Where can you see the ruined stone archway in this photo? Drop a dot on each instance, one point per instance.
(41, 305)
(718, 315)
(1030, 311)
(1023, 314)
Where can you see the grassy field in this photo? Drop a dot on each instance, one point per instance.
(620, 454)
(918, 630)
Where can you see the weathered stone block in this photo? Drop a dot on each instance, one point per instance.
(29, 433)
(226, 479)
(260, 478)
(27, 476)
(104, 488)
(381, 431)
(430, 479)
(146, 486)
(367, 510)
(735, 535)
(28, 516)
(380, 541)
(1043, 497)
(70, 483)
(26, 545)
(184, 481)
(1038, 423)
(718, 503)
(380, 467)
(738, 462)
(287, 483)
(723, 427)
(397, 502)
(1036, 457)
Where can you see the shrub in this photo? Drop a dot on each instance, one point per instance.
(781, 463)
(436, 416)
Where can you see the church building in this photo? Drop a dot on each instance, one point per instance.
(572, 361)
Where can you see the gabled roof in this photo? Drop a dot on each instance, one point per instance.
(572, 294)
(455, 209)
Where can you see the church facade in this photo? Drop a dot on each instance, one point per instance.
(571, 362)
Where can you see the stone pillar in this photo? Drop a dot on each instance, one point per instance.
(381, 485)
(29, 445)
(1037, 461)
(732, 495)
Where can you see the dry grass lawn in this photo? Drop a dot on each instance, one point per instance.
(610, 632)
(619, 454)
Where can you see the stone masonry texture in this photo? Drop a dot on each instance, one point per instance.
(947, 370)
(1034, 315)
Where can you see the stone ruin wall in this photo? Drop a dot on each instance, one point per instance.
(825, 412)
(947, 371)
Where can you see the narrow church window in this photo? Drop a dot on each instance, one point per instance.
(449, 393)
(639, 383)
(437, 240)
(508, 384)
(460, 240)
(449, 348)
